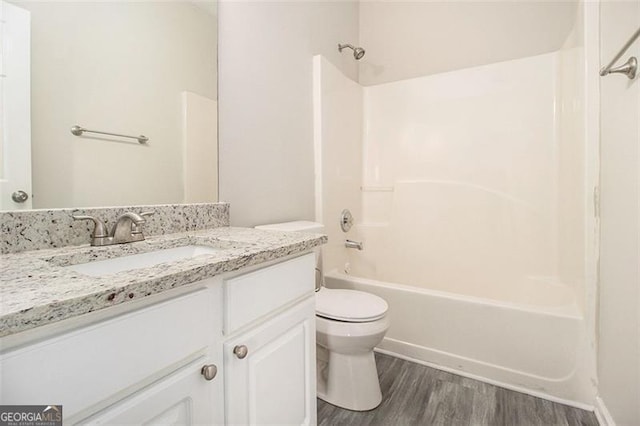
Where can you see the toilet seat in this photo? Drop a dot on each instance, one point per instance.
(349, 305)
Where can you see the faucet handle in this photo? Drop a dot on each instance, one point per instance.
(137, 228)
(99, 230)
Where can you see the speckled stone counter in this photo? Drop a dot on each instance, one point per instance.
(25, 230)
(36, 288)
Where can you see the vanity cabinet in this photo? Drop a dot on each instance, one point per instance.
(256, 326)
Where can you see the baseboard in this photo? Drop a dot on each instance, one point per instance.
(520, 389)
(602, 413)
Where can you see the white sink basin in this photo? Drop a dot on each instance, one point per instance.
(143, 260)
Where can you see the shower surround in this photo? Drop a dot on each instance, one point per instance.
(468, 192)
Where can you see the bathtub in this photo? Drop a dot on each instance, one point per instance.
(538, 347)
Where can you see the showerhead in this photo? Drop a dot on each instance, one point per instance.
(358, 52)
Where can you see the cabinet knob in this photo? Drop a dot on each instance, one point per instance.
(20, 196)
(241, 351)
(209, 371)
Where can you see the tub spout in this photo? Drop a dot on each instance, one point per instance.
(353, 244)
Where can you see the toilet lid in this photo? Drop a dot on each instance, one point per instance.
(349, 305)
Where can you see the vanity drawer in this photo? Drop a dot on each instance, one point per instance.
(256, 294)
(105, 361)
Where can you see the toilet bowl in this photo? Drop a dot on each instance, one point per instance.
(349, 324)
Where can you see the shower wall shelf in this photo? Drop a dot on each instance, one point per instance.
(371, 188)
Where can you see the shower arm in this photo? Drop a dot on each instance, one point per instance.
(358, 52)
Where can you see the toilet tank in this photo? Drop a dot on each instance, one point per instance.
(299, 226)
(302, 226)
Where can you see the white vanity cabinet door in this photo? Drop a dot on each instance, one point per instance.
(275, 383)
(182, 398)
(98, 366)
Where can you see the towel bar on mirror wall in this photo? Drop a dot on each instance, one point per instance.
(78, 131)
(630, 67)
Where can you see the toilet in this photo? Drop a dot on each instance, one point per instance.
(349, 325)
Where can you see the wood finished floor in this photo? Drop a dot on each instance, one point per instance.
(413, 394)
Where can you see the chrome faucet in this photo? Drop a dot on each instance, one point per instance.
(353, 244)
(127, 229)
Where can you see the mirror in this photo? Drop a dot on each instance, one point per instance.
(127, 68)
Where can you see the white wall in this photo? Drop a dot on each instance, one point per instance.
(410, 39)
(266, 102)
(119, 67)
(619, 317)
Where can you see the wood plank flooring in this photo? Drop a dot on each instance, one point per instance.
(413, 394)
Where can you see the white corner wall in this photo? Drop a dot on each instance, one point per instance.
(619, 316)
(266, 102)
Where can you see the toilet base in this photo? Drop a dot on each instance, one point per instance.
(348, 380)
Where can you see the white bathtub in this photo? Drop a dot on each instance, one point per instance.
(539, 347)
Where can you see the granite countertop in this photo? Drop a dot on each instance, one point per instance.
(36, 288)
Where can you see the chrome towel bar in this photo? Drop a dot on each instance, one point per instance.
(78, 131)
(630, 67)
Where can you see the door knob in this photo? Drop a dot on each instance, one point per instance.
(19, 196)
(209, 371)
(241, 351)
